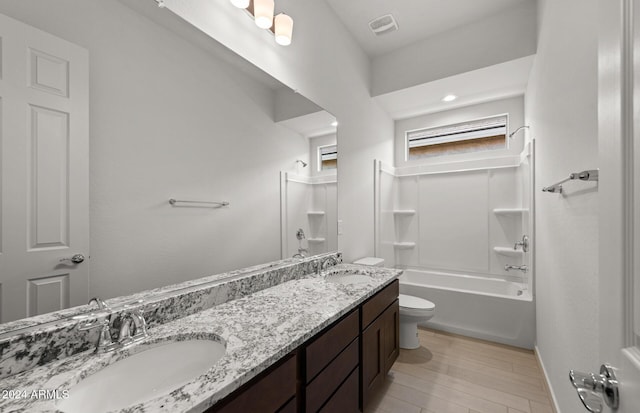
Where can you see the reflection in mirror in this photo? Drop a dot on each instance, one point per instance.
(309, 194)
(167, 112)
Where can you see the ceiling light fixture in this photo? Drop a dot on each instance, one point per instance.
(449, 98)
(262, 12)
(283, 29)
(334, 123)
(241, 4)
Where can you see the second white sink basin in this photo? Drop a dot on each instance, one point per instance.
(150, 373)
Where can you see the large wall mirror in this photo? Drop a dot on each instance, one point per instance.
(112, 108)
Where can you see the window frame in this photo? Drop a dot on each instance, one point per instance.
(319, 150)
(449, 124)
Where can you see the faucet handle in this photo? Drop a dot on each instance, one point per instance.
(524, 244)
(101, 304)
(136, 318)
(125, 328)
(104, 342)
(140, 322)
(91, 324)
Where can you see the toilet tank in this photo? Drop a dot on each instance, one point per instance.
(370, 261)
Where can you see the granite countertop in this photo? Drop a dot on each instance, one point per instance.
(258, 330)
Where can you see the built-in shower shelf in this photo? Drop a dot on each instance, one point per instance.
(509, 252)
(315, 240)
(404, 245)
(404, 212)
(509, 211)
(315, 213)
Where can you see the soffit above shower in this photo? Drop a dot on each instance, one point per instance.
(491, 83)
(417, 19)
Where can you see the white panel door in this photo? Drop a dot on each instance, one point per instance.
(619, 203)
(44, 132)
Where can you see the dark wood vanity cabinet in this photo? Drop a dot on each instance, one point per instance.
(272, 391)
(330, 361)
(338, 370)
(380, 339)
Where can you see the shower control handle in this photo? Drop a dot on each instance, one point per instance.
(524, 244)
(593, 388)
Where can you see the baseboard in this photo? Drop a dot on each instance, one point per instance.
(554, 401)
(467, 332)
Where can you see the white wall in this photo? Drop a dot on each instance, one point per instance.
(325, 64)
(289, 104)
(561, 107)
(505, 36)
(169, 120)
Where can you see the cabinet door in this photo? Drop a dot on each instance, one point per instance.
(372, 359)
(391, 335)
(269, 392)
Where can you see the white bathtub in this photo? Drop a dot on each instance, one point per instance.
(487, 308)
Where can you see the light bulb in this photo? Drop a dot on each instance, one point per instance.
(449, 98)
(263, 12)
(284, 29)
(241, 4)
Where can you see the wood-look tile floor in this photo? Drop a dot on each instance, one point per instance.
(455, 374)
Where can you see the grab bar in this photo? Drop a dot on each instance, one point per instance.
(219, 204)
(588, 175)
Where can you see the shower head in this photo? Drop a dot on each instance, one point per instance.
(518, 130)
(303, 163)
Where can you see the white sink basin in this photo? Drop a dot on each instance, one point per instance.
(142, 376)
(340, 275)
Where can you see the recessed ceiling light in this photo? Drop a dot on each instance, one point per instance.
(334, 123)
(449, 98)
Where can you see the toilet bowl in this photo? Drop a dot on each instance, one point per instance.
(413, 310)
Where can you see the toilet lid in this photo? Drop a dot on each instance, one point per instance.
(409, 301)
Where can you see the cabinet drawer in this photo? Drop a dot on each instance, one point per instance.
(345, 400)
(290, 407)
(326, 347)
(268, 394)
(321, 388)
(379, 302)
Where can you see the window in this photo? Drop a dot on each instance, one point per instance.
(473, 136)
(328, 156)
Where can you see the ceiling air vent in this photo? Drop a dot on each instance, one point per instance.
(383, 24)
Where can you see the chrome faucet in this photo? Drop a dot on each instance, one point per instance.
(104, 341)
(133, 328)
(103, 323)
(323, 263)
(522, 268)
(136, 319)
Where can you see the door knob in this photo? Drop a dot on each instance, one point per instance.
(76, 259)
(593, 388)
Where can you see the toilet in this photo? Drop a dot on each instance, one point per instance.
(413, 310)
